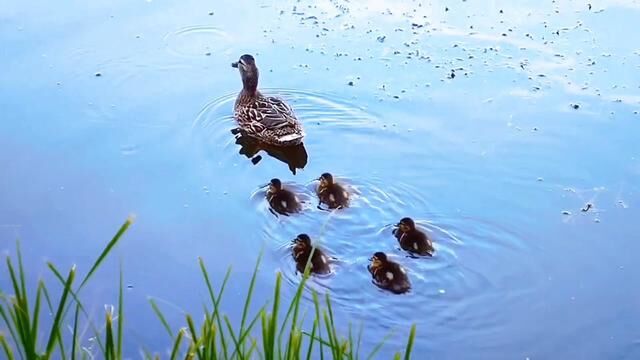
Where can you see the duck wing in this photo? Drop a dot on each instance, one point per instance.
(266, 113)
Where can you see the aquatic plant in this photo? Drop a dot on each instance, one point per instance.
(265, 335)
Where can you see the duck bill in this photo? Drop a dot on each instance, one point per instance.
(234, 64)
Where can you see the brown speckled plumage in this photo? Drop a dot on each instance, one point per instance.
(266, 118)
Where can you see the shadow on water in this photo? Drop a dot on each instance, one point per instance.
(294, 156)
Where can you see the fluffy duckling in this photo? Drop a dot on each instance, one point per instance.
(412, 239)
(266, 118)
(331, 193)
(302, 250)
(388, 275)
(281, 200)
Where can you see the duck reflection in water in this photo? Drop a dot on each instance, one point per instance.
(294, 156)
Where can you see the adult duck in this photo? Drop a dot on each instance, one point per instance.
(266, 118)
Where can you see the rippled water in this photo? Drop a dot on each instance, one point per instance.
(493, 125)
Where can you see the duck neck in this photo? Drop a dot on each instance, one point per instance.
(250, 83)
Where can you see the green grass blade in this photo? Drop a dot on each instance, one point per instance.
(316, 305)
(6, 348)
(194, 337)
(108, 343)
(268, 353)
(237, 344)
(32, 337)
(74, 344)
(377, 348)
(9, 323)
(36, 313)
(252, 348)
(176, 345)
(19, 313)
(161, 317)
(55, 327)
(273, 321)
(247, 332)
(247, 302)
(412, 336)
(332, 328)
(120, 316)
(359, 341)
(62, 280)
(106, 251)
(350, 354)
(216, 300)
(333, 346)
(312, 339)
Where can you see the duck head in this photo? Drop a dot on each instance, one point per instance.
(406, 224)
(326, 179)
(378, 259)
(248, 72)
(275, 185)
(302, 240)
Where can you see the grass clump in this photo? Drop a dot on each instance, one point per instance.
(274, 332)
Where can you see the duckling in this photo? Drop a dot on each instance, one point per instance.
(332, 194)
(282, 201)
(412, 239)
(388, 275)
(302, 250)
(266, 118)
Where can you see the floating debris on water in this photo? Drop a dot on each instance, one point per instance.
(587, 207)
(566, 212)
(98, 74)
(575, 106)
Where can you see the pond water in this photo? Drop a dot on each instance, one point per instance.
(493, 124)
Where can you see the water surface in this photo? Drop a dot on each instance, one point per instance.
(493, 125)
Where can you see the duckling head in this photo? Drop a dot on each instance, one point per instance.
(275, 185)
(248, 72)
(378, 259)
(326, 179)
(302, 239)
(406, 224)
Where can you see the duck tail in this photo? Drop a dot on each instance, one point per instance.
(291, 139)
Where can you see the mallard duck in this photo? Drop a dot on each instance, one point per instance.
(412, 239)
(388, 275)
(331, 193)
(282, 201)
(302, 250)
(266, 118)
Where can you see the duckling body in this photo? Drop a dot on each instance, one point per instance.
(412, 239)
(282, 200)
(332, 194)
(301, 252)
(266, 118)
(388, 275)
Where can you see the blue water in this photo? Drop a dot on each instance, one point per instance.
(496, 162)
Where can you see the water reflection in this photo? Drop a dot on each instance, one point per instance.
(294, 156)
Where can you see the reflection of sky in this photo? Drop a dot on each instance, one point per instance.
(499, 141)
